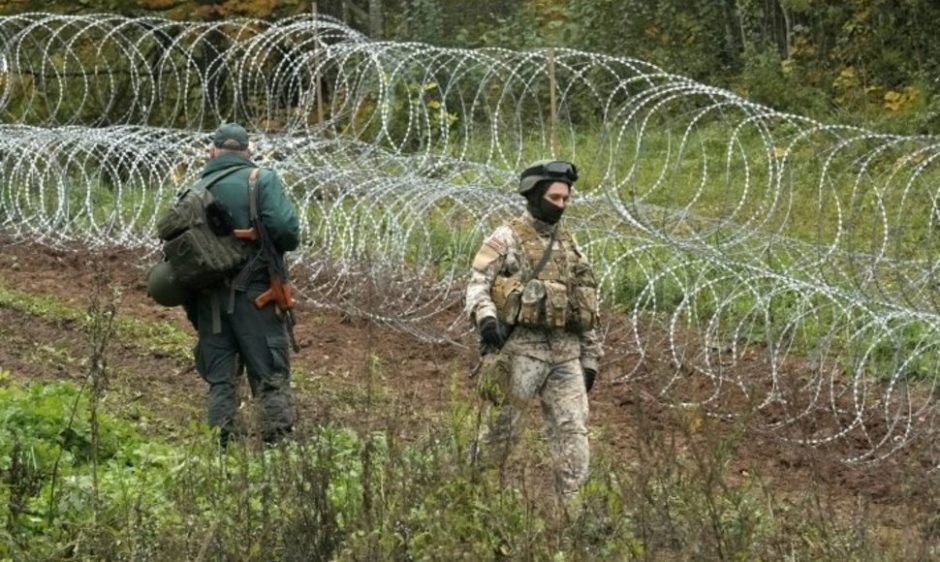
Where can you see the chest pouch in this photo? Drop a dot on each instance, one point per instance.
(582, 300)
(507, 298)
(544, 304)
(556, 304)
(583, 308)
(532, 306)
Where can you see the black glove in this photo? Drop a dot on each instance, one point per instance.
(589, 376)
(493, 333)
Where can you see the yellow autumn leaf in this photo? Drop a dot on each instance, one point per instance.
(893, 101)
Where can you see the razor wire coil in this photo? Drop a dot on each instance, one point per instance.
(761, 256)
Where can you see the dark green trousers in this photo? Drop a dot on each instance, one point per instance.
(248, 337)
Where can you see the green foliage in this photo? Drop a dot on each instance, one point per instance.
(46, 451)
(764, 79)
(339, 495)
(174, 9)
(865, 59)
(860, 61)
(421, 20)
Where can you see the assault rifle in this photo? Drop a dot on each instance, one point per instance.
(278, 290)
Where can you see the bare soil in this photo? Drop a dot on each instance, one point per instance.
(415, 385)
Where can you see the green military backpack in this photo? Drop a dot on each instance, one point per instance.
(198, 236)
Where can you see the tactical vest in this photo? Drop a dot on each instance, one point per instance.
(562, 295)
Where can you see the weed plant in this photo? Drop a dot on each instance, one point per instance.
(334, 494)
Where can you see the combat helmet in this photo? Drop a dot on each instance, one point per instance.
(163, 286)
(554, 170)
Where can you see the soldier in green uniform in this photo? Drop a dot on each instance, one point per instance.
(232, 331)
(532, 298)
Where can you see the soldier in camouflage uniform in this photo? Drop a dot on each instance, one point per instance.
(532, 298)
(233, 332)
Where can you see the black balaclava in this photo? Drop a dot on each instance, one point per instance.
(540, 207)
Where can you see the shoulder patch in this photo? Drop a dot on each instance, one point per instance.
(485, 257)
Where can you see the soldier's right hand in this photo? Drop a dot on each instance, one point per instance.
(492, 332)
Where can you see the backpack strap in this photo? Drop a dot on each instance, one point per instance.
(209, 182)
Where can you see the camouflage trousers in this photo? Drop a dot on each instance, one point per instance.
(250, 338)
(560, 388)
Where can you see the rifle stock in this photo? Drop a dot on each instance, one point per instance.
(278, 292)
(248, 234)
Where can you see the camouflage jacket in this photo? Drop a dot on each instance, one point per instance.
(503, 255)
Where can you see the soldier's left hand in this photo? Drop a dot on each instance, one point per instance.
(493, 333)
(589, 376)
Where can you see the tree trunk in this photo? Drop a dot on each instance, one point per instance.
(787, 30)
(375, 19)
(734, 39)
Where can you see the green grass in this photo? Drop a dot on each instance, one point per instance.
(160, 337)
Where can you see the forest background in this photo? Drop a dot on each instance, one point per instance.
(864, 62)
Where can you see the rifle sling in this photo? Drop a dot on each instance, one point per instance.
(545, 257)
(239, 282)
(253, 197)
(267, 245)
